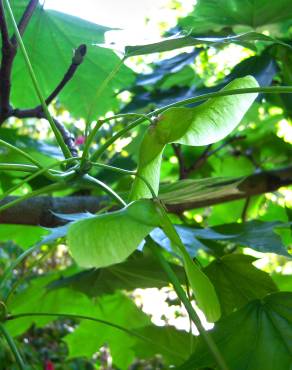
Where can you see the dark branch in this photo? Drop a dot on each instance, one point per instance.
(37, 211)
(77, 59)
(9, 50)
(181, 163)
(25, 19)
(4, 27)
(184, 171)
(69, 139)
(8, 54)
(37, 112)
(201, 160)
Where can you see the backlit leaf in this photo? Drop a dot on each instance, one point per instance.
(202, 125)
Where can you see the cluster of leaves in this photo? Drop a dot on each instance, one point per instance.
(168, 233)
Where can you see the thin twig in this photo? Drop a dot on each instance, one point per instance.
(68, 138)
(245, 209)
(37, 112)
(77, 59)
(181, 163)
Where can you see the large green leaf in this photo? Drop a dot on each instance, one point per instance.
(217, 14)
(237, 281)
(50, 38)
(202, 125)
(110, 238)
(259, 336)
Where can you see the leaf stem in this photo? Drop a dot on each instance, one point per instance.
(89, 318)
(102, 87)
(87, 179)
(13, 347)
(183, 298)
(21, 152)
(57, 133)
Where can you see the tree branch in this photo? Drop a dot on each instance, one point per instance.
(38, 211)
(8, 54)
(9, 50)
(181, 163)
(37, 112)
(25, 19)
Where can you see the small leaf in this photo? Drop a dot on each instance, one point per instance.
(259, 336)
(202, 125)
(110, 238)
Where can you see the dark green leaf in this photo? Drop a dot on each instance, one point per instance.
(237, 281)
(257, 235)
(137, 272)
(119, 310)
(174, 345)
(259, 336)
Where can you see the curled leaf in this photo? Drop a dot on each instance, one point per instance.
(201, 125)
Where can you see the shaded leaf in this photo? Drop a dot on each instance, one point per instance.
(166, 67)
(174, 345)
(237, 281)
(119, 310)
(257, 235)
(259, 336)
(137, 272)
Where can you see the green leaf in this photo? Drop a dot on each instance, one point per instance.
(110, 238)
(119, 310)
(50, 39)
(23, 235)
(259, 336)
(137, 272)
(177, 42)
(283, 281)
(174, 345)
(237, 281)
(202, 125)
(213, 15)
